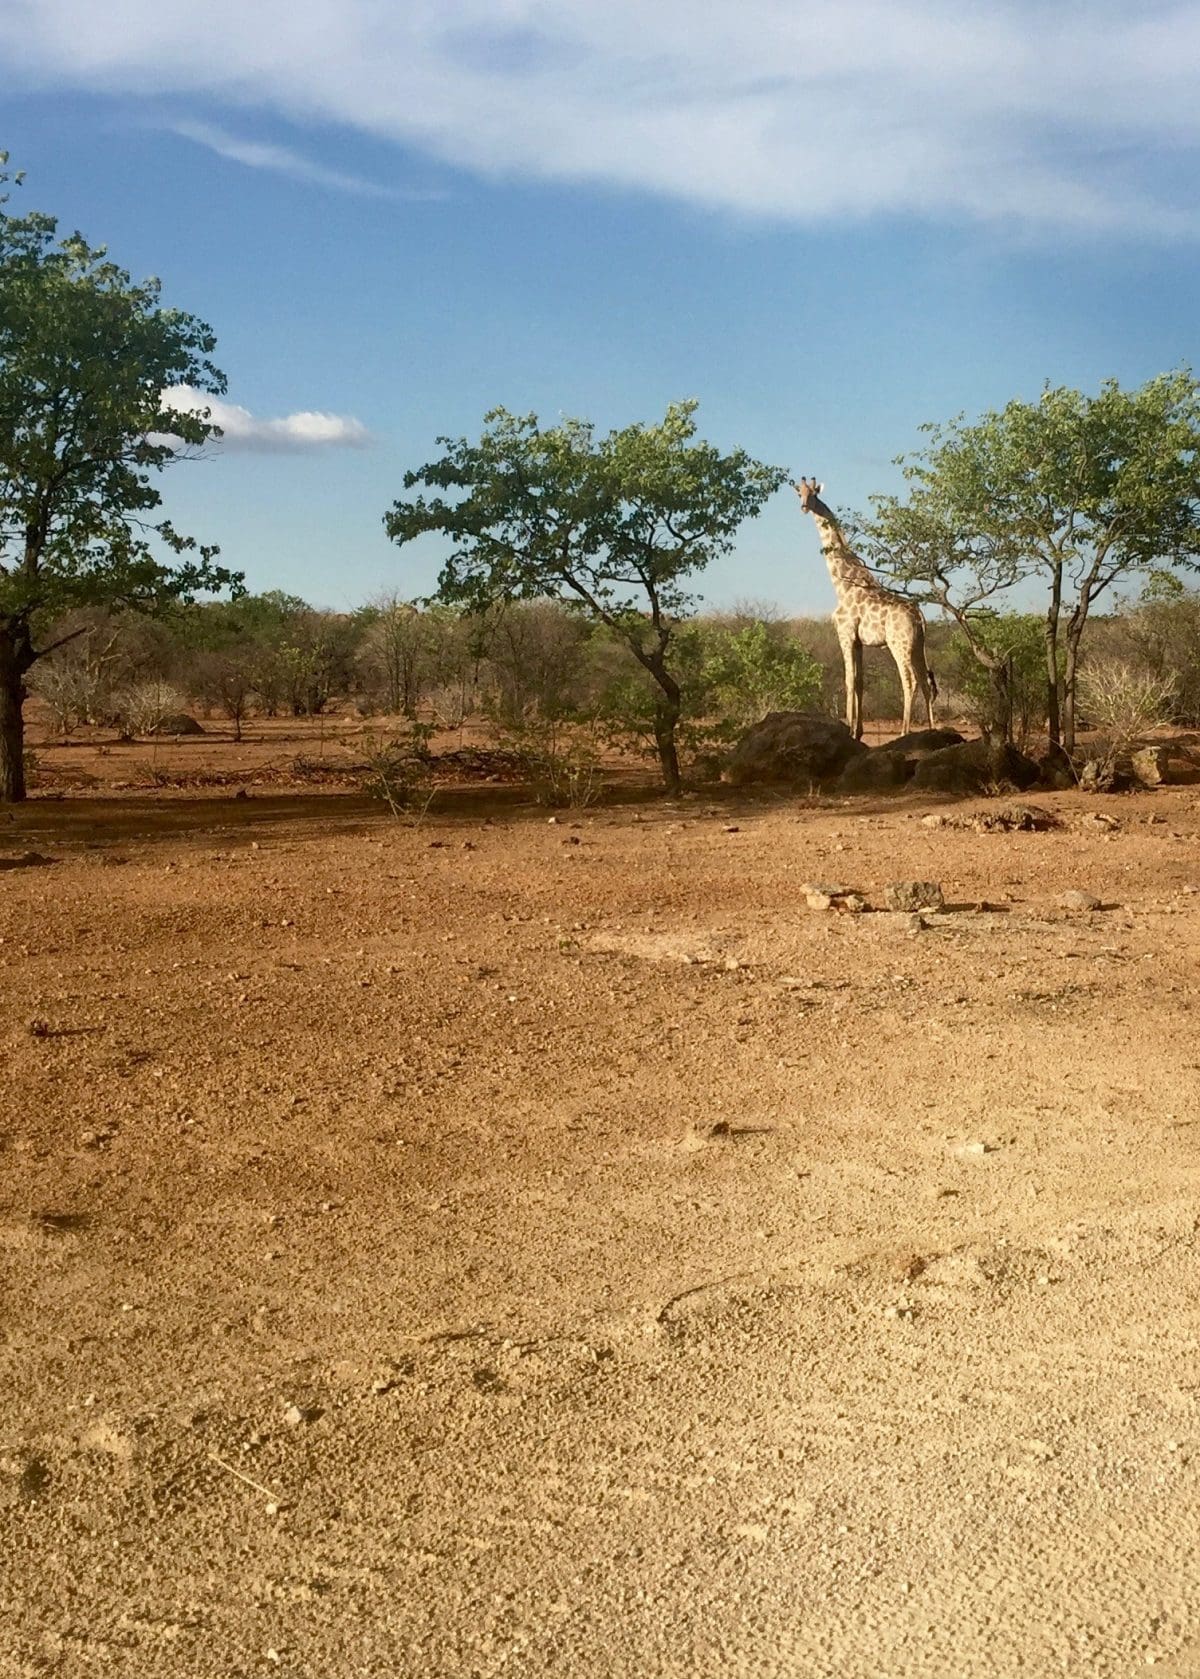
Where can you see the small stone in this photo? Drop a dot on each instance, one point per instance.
(974, 1150)
(39, 1028)
(1078, 900)
(294, 1415)
(913, 895)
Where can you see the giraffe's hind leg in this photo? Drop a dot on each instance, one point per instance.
(857, 725)
(852, 667)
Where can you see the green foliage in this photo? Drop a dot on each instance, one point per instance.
(729, 678)
(618, 524)
(1078, 491)
(1160, 633)
(1018, 640)
(756, 669)
(85, 356)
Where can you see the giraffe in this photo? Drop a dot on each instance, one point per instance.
(868, 615)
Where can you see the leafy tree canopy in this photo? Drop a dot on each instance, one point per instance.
(617, 524)
(85, 356)
(1075, 490)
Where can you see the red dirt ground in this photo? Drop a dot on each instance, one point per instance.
(494, 1246)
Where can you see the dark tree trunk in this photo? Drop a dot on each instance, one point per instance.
(666, 721)
(1000, 676)
(16, 656)
(1070, 680)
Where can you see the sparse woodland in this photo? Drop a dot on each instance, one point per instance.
(537, 673)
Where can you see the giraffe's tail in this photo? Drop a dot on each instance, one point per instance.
(933, 687)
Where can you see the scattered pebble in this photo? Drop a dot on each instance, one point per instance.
(1078, 900)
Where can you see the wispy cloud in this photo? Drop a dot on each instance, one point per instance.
(282, 160)
(292, 433)
(1077, 116)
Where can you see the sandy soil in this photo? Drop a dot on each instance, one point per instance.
(511, 1247)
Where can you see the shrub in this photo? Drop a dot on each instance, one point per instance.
(398, 769)
(145, 707)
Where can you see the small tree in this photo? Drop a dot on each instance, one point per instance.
(393, 654)
(1079, 491)
(616, 524)
(1162, 634)
(85, 355)
(756, 669)
(223, 678)
(1016, 641)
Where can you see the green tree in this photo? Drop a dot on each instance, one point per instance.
(1078, 491)
(756, 669)
(1016, 642)
(616, 524)
(85, 355)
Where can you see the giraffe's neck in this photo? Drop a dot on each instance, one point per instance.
(845, 567)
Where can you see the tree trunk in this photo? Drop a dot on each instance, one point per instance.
(666, 721)
(1053, 715)
(15, 660)
(1000, 676)
(1053, 720)
(1070, 678)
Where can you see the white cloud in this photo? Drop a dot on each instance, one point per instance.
(1078, 116)
(281, 160)
(293, 432)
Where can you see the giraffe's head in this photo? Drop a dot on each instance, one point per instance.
(808, 490)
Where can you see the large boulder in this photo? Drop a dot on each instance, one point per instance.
(875, 772)
(1151, 765)
(919, 743)
(792, 749)
(892, 765)
(977, 766)
(177, 723)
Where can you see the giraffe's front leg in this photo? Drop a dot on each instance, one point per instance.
(848, 667)
(856, 727)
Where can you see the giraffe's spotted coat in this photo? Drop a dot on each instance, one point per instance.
(868, 615)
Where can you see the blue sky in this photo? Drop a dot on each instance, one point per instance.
(829, 225)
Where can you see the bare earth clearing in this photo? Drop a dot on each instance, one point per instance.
(502, 1247)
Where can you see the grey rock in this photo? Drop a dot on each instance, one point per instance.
(792, 749)
(912, 895)
(1078, 900)
(977, 766)
(1151, 765)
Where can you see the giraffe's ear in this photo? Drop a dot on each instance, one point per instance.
(818, 488)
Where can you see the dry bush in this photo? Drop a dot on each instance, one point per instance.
(1121, 702)
(398, 769)
(562, 760)
(145, 707)
(68, 690)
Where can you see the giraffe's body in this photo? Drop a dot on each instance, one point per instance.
(868, 615)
